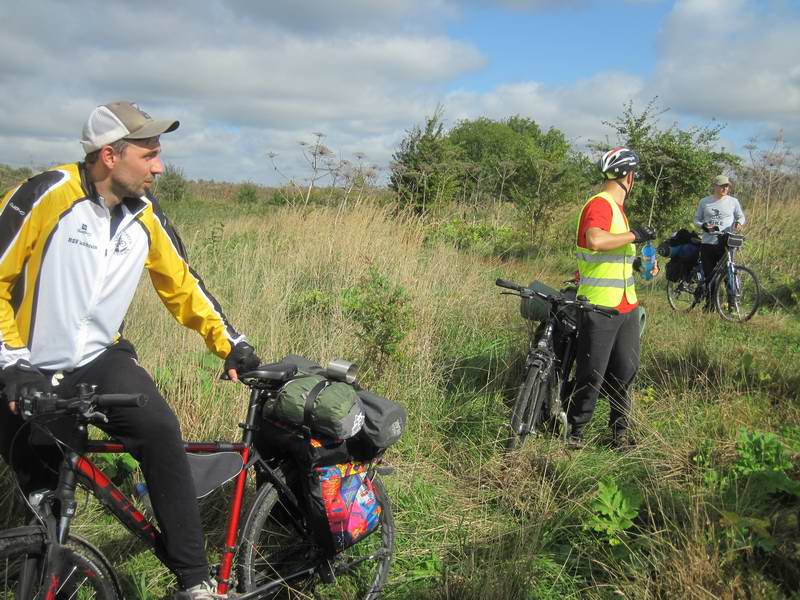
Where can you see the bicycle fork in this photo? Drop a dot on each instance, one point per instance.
(57, 528)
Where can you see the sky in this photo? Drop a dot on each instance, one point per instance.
(252, 78)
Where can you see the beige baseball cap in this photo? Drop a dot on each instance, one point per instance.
(722, 180)
(121, 120)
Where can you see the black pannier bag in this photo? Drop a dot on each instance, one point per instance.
(677, 270)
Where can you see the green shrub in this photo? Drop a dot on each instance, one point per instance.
(381, 311)
(247, 193)
(171, 185)
(481, 238)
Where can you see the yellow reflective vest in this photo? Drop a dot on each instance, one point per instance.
(607, 275)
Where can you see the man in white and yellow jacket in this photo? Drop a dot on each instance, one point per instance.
(74, 241)
(607, 355)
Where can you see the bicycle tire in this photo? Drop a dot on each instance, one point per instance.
(519, 414)
(272, 546)
(724, 299)
(682, 295)
(86, 574)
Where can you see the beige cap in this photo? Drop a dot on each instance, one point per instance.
(121, 120)
(722, 180)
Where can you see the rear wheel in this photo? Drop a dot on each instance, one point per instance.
(684, 294)
(85, 575)
(274, 547)
(738, 294)
(527, 407)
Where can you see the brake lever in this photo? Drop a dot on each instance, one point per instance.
(93, 414)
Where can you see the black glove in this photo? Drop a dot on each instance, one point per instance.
(23, 379)
(242, 358)
(637, 264)
(643, 234)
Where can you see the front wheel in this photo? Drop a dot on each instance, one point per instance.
(275, 548)
(85, 575)
(527, 408)
(738, 294)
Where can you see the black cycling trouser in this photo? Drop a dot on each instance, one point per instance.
(606, 361)
(710, 255)
(151, 434)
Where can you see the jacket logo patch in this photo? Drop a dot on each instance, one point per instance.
(123, 245)
(84, 230)
(16, 208)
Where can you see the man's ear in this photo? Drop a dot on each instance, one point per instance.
(108, 157)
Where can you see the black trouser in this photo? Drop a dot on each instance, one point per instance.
(710, 255)
(606, 362)
(151, 434)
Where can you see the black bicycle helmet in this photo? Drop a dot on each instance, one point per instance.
(618, 162)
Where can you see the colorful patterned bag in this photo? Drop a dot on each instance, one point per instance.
(344, 506)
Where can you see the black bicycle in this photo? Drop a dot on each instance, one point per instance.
(547, 383)
(271, 549)
(733, 290)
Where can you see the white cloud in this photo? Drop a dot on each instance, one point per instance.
(731, 59)
(246, 77)
(578, 109)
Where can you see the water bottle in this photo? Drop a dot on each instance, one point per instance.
(648, 261)
(143, 495)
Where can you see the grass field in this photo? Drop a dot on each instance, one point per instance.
(705, 507)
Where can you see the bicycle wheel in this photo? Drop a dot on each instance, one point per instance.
(85, 575)
(551, 415)
(521, 415)
(738, 295)
(684, 295)
(273, 547)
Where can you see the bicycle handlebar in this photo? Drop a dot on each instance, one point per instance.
(86, 404)
(583, 305)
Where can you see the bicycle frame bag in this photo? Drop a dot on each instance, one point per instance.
(319, 406)
(536, 308)
(343, 506)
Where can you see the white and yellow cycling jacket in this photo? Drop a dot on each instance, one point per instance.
(69, 268)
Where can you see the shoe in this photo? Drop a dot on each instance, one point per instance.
(622, 442)
(201, 591)
(575, 442)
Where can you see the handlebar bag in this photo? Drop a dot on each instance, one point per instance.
(537, 309)
(319, 405)
(344, 507)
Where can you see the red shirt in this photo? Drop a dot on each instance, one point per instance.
(597, 213)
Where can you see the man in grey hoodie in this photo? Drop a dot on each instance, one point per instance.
(718, 212)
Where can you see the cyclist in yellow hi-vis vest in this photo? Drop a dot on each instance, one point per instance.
(608, 348)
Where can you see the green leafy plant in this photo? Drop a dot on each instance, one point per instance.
(381, 311)
(744, 530)
(612, 511)
(758, 451)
